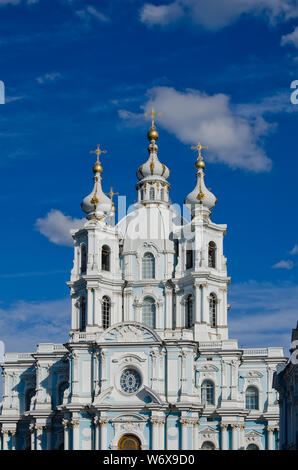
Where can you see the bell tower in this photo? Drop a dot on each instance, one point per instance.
(96, 276)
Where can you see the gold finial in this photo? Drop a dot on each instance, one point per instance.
(112, 194)
(97, 167)
(200, 164)
(152, 134)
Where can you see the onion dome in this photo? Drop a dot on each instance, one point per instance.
(153, 167)
(200, 197)
(97, 205)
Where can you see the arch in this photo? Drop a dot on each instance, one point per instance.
(212, 255)
(208, 445)
(29, 394)
(252, 398)
(252, 447)
(129, 442)
(189, 320)
(60, 392)
(83, 316)
(148, 266)
(106, 312)
(149, 312)
(106, 258)
(83, 259)
(208, 393)
(152, 194)
(213, 310)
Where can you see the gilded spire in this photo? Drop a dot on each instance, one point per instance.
(200, 164)
(152, 134)
(97, 167)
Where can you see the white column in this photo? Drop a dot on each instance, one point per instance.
(103, 433)
(242, 437)
(195, 434)
(169, 309)
(154, 431)
(198, 304)
(184, 424)
(270, 430)
(235, 433)
(32, 431)
(89, 306)
(96, 422)
(75, 423)
(39, 432)
(161, 433)
(65, 423)
(224, 436)
(75, 371)
(6, 438)
(13, 437)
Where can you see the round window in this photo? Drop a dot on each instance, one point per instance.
(130, 381)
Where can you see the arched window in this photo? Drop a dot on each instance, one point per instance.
(142, 194)
(252, 398)
(106, 312)
(83, 318)
(83, 259)
(213, 310)
(61, 389)
(207, 393)
(28, 397)
(162, 194)
(207, 445)
(148, 266)
(152, 193)
(189, 255)
(129, 442)
(149, 312)
(212, 255)
(189, 312)
(252, 447)
(106, 258)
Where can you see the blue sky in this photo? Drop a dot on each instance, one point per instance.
(78, 73)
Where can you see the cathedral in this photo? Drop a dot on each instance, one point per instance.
(149, 363)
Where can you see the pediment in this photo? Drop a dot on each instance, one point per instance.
(130, 332)
(251, 374)
(128, 418)
(208, 430)
(253, 434)
(206, 368)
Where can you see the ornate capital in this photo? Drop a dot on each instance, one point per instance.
(103, 421)
(224, 426)
(155, 420)
(65, 423)
(74, 422)
(31, 427)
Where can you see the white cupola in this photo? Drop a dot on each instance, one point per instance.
(97, 205)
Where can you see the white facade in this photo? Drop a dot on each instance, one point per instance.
(149, 362)
(286, 383)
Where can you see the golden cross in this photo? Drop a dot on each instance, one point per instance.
(199, 148)
(152, 115)
(98, 151)
(111, 193)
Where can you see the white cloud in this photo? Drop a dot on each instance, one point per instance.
(232, 135)
(90, 12)
(48, 77)
(25, 324)
(291, 38)
(161, 15)
(284, 264)
(215, 14)
(56, 227)
(263, 314)
(294, 251)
